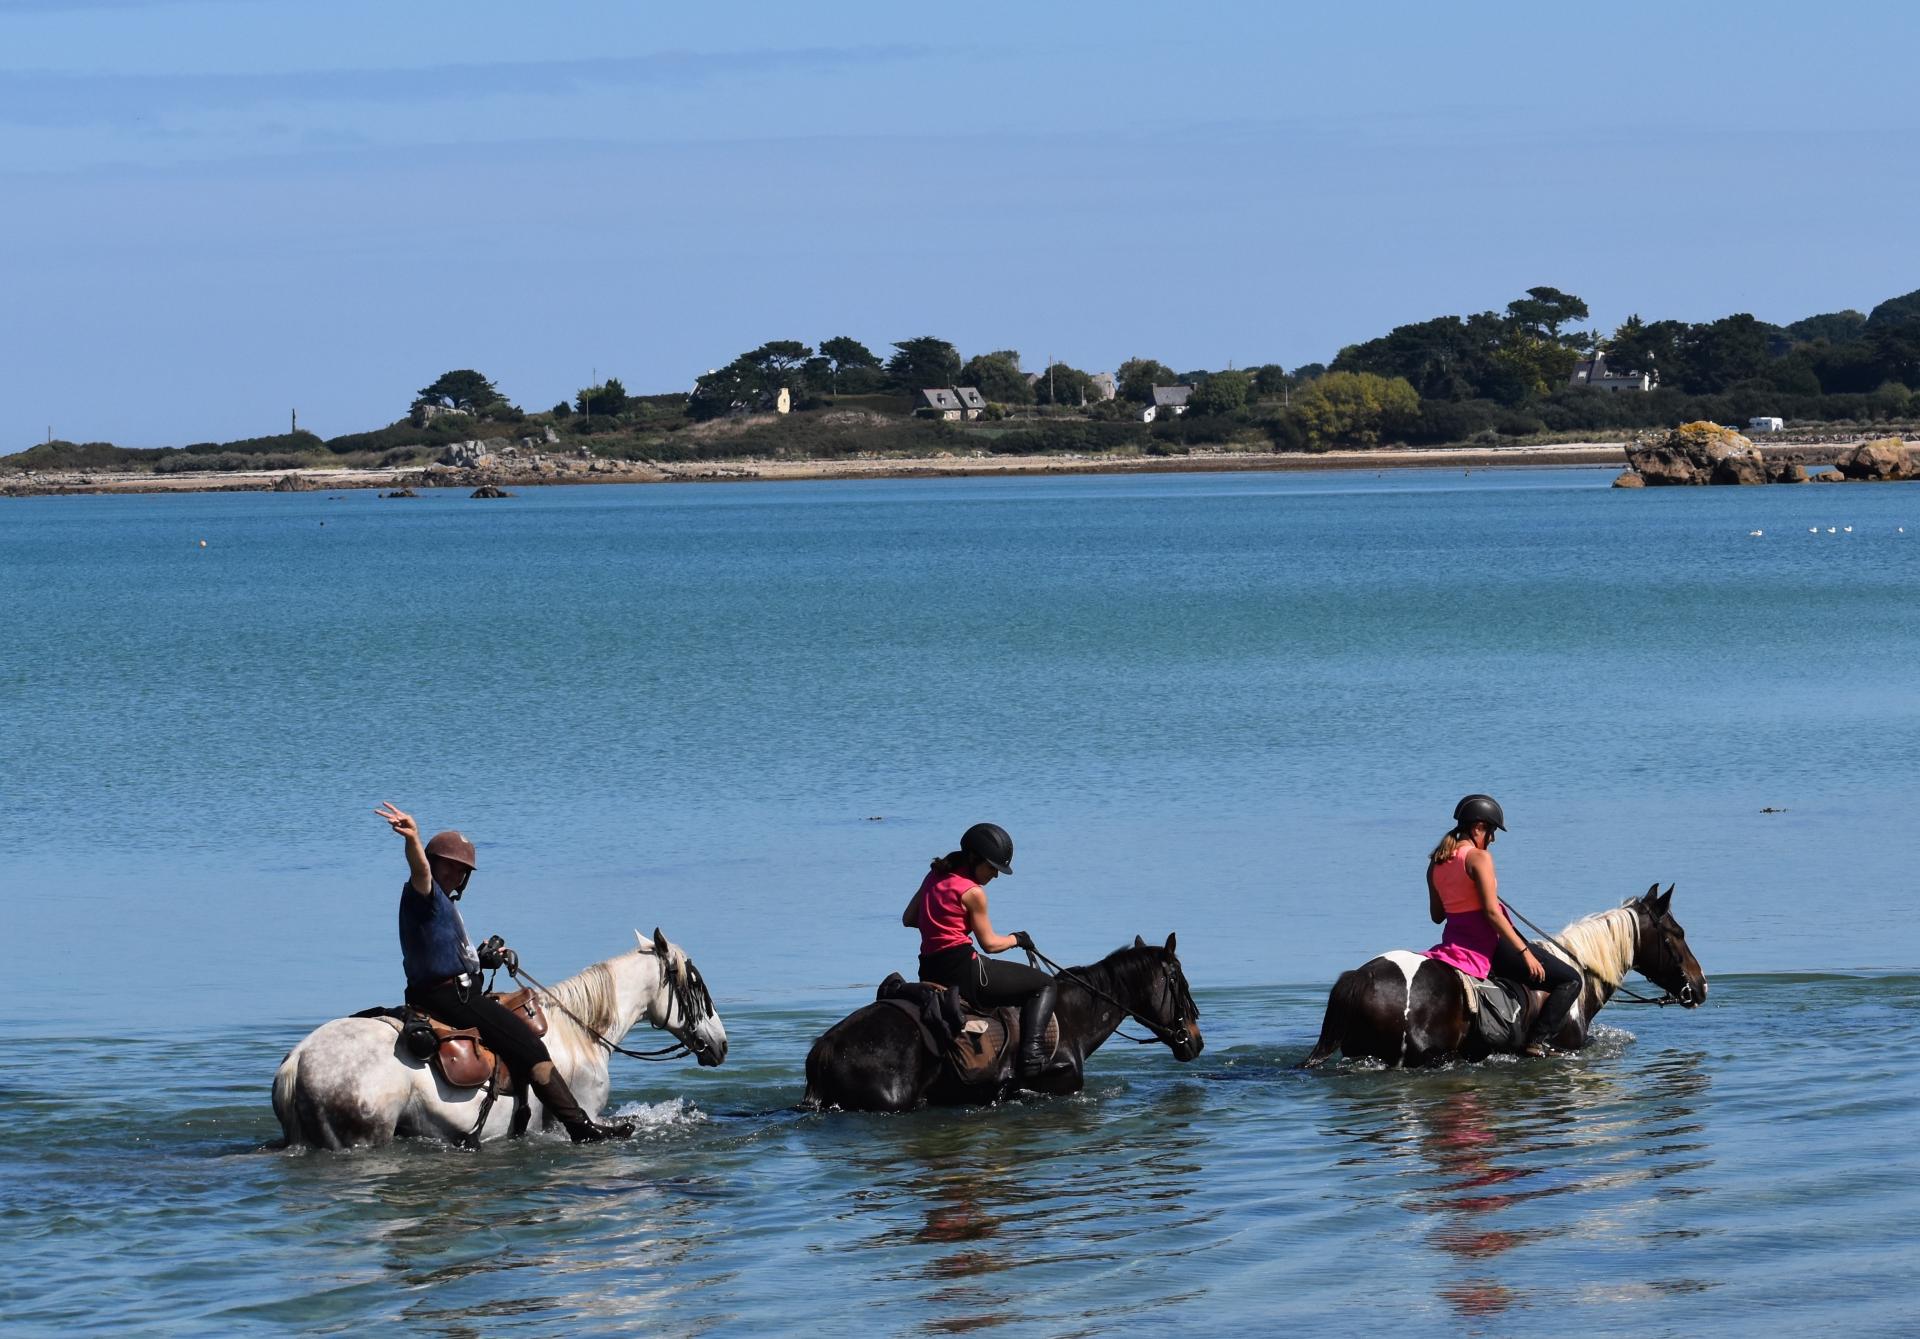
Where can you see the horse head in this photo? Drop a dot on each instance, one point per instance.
(1159, 997)
(682, 1005)
(1662, 955)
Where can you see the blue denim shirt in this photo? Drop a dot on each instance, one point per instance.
(433, 938)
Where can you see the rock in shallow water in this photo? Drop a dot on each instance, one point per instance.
(1882, 458)
(1698, 453)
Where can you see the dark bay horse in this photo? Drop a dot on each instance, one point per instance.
(1407, 1009)
(874, 1060)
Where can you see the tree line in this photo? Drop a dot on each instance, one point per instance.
(1452, 378)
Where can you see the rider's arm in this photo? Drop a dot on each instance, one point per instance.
(1480, 870)
(1434, 908)
(419, 876)
(975, 901)
(911, 916)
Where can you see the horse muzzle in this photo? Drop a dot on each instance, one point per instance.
(708, 1050)
(1186, 1043)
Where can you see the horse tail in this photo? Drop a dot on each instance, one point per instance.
(301, 1119)
(1343, 1001)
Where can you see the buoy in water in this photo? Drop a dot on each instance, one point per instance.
(203, 543)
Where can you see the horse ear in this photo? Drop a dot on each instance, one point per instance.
(659, 942)
(1170, 939)
(641, 940)
(1652, 892)
(1664, 901)
(1138, 942)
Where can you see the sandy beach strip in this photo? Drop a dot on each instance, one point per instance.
(915, 467)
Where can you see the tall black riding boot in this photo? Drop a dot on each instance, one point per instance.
(1035, 1014)
(557, 1098)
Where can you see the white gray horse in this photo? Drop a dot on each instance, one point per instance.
(351, 1083)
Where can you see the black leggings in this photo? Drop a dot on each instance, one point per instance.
(505, 1032)
(1562, 986)
(982, 981)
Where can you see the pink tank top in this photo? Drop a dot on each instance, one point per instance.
(942, 918)
(1469, 939)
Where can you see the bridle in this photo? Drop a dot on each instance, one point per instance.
(1178, 1036)
(689, 994)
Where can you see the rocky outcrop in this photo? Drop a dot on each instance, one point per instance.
(1880, 459)
(401, 492)
(290, 483)
(1786, 472)
(1630, 479)
(1697, 453)
(488, 490)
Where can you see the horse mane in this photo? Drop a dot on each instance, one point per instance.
(1604, 943)
(591, 996)
(1124, 961)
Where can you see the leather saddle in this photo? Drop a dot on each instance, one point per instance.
(462, 1060)
(977, 1043)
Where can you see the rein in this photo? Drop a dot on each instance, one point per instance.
(673, 1052)
(1621, 993)
(1160, 1034)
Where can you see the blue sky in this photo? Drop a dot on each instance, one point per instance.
(212, 212)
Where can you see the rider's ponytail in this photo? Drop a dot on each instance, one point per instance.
(1448, 845)
(944, 865)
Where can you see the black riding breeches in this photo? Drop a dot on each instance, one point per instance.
(982, 981)
(1562, 986)
(505, 1032)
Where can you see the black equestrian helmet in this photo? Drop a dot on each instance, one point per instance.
(1479, 809)
(989, 842)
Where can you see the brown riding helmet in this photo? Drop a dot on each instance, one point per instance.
(454, 846)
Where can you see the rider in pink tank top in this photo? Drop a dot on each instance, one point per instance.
(1470, 937)
(939, 912)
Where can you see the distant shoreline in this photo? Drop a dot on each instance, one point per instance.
(742, 471)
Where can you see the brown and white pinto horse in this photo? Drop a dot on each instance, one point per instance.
(1406, 1009)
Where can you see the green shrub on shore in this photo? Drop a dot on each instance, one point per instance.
(60, 456)
(180, 462)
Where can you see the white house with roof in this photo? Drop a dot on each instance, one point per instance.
(951, 403)
(1593, 372)
(1168, 400)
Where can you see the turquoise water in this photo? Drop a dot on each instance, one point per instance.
(1239, 707)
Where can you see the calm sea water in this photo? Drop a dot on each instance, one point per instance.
(1239, 707)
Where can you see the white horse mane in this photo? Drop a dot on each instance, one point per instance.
(1604, 943)
(591, 996)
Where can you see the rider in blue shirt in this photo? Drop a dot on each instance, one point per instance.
(443, 972)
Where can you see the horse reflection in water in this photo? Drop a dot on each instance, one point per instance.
(1067, 1190)
(1506, 1145)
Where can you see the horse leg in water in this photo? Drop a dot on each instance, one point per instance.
(1402, 1008)
(871, 1060)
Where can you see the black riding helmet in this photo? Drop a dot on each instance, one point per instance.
(1479, 809)
(989, 842)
